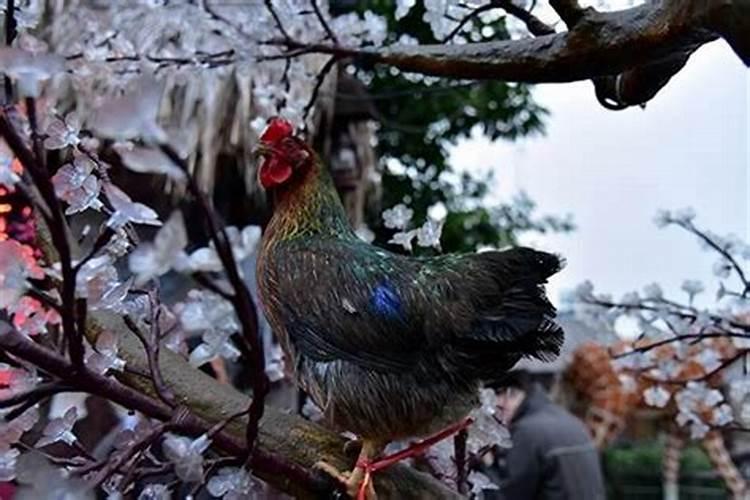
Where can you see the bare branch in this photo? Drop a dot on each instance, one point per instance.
(323, 22)
(600, 44)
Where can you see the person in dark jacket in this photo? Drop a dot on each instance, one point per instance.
(553, 456)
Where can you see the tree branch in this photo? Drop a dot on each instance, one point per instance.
(599, 44)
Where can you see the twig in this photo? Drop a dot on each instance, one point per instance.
(327, 67)
(36, 394)
(242, 303)
(279, 25)
(326, 27)
(459, 447)
(58, 232)
(206, 282)
(569, 11)
(723, 251)
(150, 346)
(126, 454)
(10, 35)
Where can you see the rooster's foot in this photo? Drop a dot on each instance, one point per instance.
(350, 480)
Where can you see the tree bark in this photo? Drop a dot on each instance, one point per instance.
(298, 440)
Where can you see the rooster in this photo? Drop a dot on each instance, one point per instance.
(388, 346)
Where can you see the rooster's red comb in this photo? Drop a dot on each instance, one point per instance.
(277, 129)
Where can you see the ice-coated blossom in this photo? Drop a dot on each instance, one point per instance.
(8, 459)
(9, 172)
(214, 318)
(403, 7)
(243, 244)
(684, 215)
(487, 428)
(275, 363)
(365, 234)
(722, 268)
(722, 415)
(31, 318)
(155, 491)
(479, 482)
(76, 184)
(653, 291)
(97, 281)
(187, 455)
(59, 429)
(133, 115)
(692, 287)
(656, 396)
(29, 69)
(428, 235)
(17, 264)
(62, 133)
(148, 160)
(151, 260)
(232, 483)
(104, 356)
(630, 299)
(403, 239)
(39, 480)
(128, 211)
(709, 359)
(397, 217)
(662, 218)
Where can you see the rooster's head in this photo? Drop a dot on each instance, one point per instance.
(283, 154)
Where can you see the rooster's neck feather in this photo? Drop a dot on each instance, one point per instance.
(308, 206)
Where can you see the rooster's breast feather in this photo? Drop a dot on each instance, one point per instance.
(346, 300)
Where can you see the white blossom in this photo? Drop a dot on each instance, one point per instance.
(76, 184)
(684, 215)
(63, 133)
(127, 211)
(397, 217)
(656, 396)
(133, 115)
(403, 239)
(148, 160)
(722, 415)
(275, 363)
(8, 458)
(8, 174)
(722, 268)
(653, 291)
(59, 429)
(151, 260)
(104, 356)
(31, 318)
(662, 218)
(17, 264)
(187, 455)
(429, 234)
(29, 69)
(709, 359)
(403, 7)
(155, 491)
(232, 483)
(480, 482)
(365, 234)
(693, 287)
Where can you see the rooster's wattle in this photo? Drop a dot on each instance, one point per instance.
(389, 346)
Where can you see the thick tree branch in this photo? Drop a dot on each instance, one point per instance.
(599, 44)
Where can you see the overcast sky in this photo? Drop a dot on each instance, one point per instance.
(613, 169)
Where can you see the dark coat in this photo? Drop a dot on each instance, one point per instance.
(552, 458)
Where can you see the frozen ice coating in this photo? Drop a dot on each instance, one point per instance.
(212, 79)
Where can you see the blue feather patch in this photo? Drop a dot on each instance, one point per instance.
(385, 301)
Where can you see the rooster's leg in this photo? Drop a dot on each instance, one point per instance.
(358, 483)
